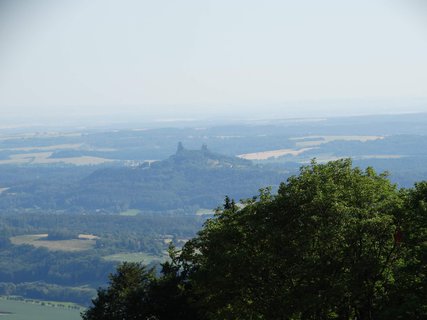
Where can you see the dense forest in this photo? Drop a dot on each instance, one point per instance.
(335, 242)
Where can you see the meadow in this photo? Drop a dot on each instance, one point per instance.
(84, 242)
(20, 309)
(146, 258)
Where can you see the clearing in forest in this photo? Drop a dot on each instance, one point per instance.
(84, 242)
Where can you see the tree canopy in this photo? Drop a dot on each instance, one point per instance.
(335, 242)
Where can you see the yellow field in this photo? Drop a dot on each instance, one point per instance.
(272, 154)
(304, 144)
(74, 146)
(202, 212)
(41, 154)
(43, 158)
(143, 257)
(312, 141)
(85, 242)
(3, 190)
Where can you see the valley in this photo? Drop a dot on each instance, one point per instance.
(75, 204)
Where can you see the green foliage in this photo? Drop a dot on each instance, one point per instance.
(323, 248)
(336, 242)
(126, 296)
(134, 293)
(171, 295)
(408, 298)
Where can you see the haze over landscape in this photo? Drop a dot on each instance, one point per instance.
(114, 60)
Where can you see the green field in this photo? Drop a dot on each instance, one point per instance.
(143, 257)
(37, 310)
(130, 212)
(202, 212)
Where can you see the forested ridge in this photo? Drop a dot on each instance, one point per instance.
(188, 180)
(335, 242)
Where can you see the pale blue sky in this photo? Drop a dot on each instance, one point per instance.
(81, 57)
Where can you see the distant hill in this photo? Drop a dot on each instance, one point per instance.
(202, 158)
(186, 181)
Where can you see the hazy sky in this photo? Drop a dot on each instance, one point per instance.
(93, 57)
